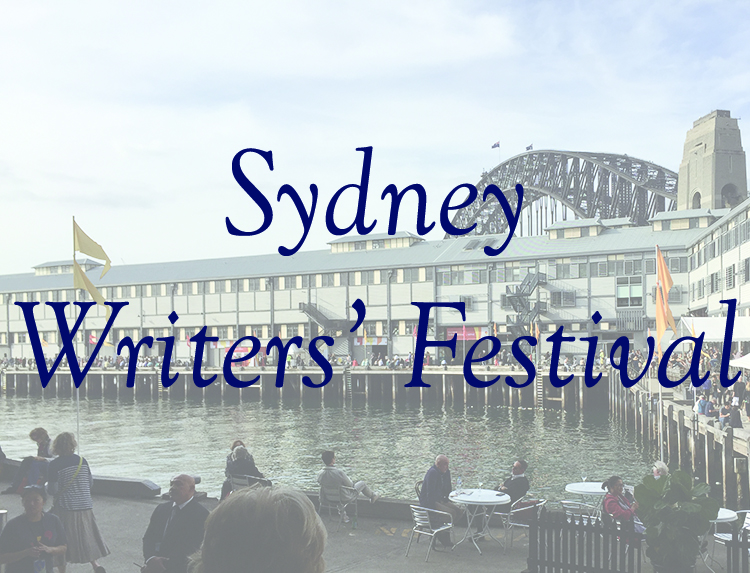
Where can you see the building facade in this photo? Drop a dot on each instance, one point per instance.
(559, 278)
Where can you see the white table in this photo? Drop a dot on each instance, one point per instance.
(586, 488)
(479, 502)
(725, 516)
(591, 492)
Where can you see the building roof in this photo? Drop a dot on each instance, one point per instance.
(575, 223)
(689, 214)
(375, 237)
(617, 222)
(444, 252)
(68, 262)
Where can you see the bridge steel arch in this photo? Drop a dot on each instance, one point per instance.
(588, 184)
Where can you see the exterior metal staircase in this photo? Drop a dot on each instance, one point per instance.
(526, 312)
(328, 322)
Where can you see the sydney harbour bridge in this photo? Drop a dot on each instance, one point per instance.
(563, 185)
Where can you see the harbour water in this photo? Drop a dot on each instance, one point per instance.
(388, 448)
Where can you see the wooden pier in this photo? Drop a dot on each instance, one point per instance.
(691, 442)
(359, 386)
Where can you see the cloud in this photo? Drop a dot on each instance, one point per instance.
(130, 114)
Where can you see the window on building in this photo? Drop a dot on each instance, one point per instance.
(563, 298)
(562, 270)
(714, 284)
(629, 292)
(411, 275)
(498, 274)
(327, 280)
(378, 244)
(429, 274)
(675, 295)
(468, 301)
(678, 264)
(729, 277)
(443, 277)
(701, 289)
(360, 245)
(512, 273)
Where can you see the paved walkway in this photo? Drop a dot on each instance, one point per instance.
(377, 545)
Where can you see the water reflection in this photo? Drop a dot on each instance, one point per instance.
(389, 448)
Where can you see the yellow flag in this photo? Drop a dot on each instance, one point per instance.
(663, 313)
(84, 244)
(80, 280)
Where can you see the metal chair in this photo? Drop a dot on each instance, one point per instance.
(722, 538)
(577, 511)
(241, 482)
(338, 498)
(418, 488)
(518, 510)
(422, 525)
(608, 520)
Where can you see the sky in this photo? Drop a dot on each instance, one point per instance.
(127, 115)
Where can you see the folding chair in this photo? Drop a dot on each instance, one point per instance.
(609, 520)
(240, 482)
(520, 511)
(422, 525)
(577, 511)
(338, 498)
(724, 537)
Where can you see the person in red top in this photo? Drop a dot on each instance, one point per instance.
(618, 506)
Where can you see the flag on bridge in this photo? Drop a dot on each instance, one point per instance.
(496, 144)
(530, 147)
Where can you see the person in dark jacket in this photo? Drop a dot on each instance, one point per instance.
(735, 418)
(436, 487)
(517, 485)
(33, 467)
(239, 463)
(175, 530)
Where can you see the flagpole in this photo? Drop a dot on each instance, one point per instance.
(658, 342)
(78, 388)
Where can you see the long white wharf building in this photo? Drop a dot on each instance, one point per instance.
(560, 276)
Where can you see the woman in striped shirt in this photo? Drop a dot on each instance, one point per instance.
(70, 482)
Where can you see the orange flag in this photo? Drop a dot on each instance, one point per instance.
(663, 285)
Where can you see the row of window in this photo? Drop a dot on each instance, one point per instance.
(444, 276)
(728, 240)
(714, 283)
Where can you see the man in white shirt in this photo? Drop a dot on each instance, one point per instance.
(333, 478)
